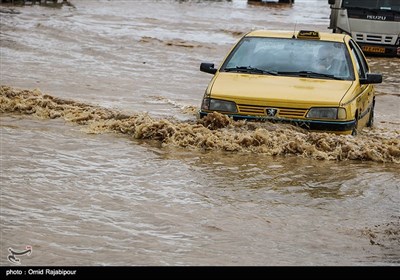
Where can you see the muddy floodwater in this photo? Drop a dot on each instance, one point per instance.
(103, 161)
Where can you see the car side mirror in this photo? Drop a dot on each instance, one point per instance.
(372, 78)
(208, 68)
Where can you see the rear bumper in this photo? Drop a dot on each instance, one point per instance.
(333, 126)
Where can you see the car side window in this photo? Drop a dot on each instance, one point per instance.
(362, 58)
(353, 53)
(361, 63)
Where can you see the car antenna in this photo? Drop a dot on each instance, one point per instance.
(294, 31)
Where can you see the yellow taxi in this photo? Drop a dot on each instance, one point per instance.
(319, 81)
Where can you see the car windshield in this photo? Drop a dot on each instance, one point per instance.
(290, 57)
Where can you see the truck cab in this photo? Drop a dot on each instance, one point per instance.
(373, 24)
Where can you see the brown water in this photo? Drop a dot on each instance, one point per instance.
(103, 161)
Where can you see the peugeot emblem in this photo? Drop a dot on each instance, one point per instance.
(271, 112)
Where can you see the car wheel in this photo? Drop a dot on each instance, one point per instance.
(354, 132)
(370, 122)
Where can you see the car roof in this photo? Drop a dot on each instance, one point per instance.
(323, 36)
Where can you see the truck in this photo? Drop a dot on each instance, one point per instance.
(373, 24)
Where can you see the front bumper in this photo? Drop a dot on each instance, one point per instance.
(380, 50)
(334, 126)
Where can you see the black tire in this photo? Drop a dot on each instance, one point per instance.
(370, 122)
(354, 132)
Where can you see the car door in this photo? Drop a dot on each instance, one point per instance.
(364, 92)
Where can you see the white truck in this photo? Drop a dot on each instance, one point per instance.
(374, 24)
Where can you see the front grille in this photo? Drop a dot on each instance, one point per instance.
(374, 38)
(389, 39)
(251, 110)
(290, 113)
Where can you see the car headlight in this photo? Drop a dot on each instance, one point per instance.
(218, 105)
(327, 113)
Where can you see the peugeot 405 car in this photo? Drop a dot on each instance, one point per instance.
(319, 81)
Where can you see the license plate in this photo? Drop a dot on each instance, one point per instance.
(373, 49)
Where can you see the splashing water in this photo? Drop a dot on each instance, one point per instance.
(214, 132)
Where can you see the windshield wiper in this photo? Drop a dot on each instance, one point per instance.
(387, 11)
(249, 69)
(309, 74)
(375, 9)
(362, 8)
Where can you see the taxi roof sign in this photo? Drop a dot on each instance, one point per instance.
(307, 34)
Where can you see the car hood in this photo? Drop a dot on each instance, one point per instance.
(278, 90)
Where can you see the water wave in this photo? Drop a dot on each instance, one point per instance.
(214, 132)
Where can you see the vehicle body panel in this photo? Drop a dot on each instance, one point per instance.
(281, 90)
